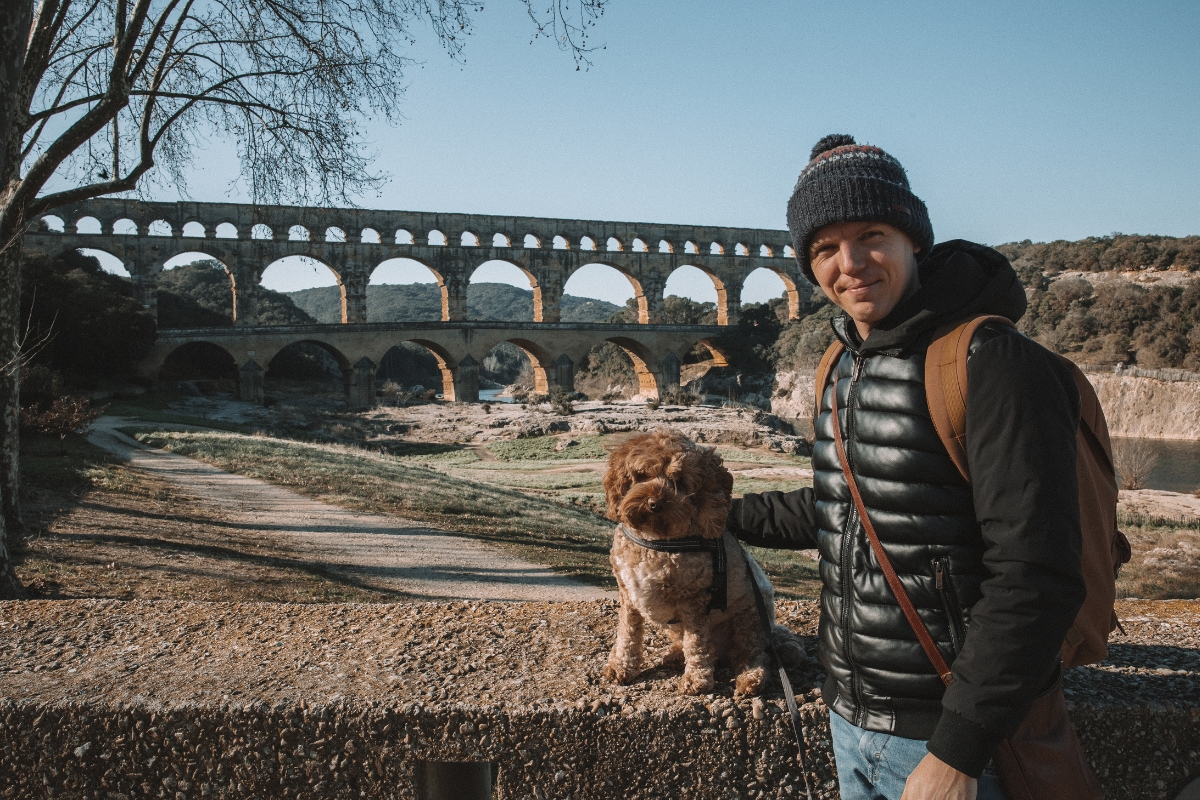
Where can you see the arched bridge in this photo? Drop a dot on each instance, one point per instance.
(352, 242)
(555, 350)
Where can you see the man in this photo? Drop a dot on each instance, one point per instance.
(993, 566)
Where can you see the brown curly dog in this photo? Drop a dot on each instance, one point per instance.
(662, 487)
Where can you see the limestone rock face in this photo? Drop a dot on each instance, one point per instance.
(1149, 408)
(793, 395)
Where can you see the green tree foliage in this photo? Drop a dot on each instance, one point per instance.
(1118, 321)
(803, 341)
(1116, 253)
(749, 347)
(676, 311)
(200, 295)
(81, 321)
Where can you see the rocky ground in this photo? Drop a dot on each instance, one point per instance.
(340, 700)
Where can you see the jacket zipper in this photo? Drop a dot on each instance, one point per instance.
(853, 524)
(945, 587)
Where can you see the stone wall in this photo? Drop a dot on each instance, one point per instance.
(224, 700)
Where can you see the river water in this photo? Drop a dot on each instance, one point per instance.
(1178, 465)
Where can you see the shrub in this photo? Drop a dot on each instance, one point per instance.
(1134, 460)
(560, 401)
(63, 415)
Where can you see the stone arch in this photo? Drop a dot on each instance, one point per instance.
(444, 286)
(691, 248)
(198, 360)
(307, 257)
(160, 227)
(335, 234)
(125, 227)
(716, 249)
(541, 361)
(298, 233)
(538, 308)
(436, 238)
(468, 239)
(639, 354)
(113, 260)
(766, 251)
(261, 231)
(719, 358)
(194, 230)
(88, 226)
(299, 355)
(588, 243)
(740, 249)
(638, 292)
(446, 365)
(53, 223)
(501, 240)
(405, 236)
(225, 230)
(789, 287)
(665, 246)
(369, 236)
(561, 243)
(532, 242)
(723, 298)
(639, 245)
(614, 245)
(237, 306)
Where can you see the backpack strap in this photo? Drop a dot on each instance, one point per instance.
(946, 384)
(832, 354)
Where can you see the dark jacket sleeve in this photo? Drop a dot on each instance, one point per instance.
(1022, 415)
(782, 520)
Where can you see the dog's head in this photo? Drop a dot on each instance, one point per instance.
(663, 485)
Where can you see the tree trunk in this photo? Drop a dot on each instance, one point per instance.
(11, 526)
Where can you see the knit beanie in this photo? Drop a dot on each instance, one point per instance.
(848, 182)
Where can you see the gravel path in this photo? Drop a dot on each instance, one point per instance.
(381, 551)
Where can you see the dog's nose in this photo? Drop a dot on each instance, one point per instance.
(652, 505)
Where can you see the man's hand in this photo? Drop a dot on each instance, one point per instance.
(934, 779)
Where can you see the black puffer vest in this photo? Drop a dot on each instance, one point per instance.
(923, 512)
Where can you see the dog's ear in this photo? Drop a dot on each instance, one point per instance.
(712, 501)
(617, 479)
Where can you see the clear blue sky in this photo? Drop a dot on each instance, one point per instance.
(1036, 120)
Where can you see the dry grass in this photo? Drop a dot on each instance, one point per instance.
(102, 530)
(1165, 563)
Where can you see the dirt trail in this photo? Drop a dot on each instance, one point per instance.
(381, 551)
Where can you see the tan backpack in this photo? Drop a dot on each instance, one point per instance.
(1105, 548)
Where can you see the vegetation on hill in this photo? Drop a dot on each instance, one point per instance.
(82, 326)
(200, 295)
(1117, 321)
(1116, 253)
(422, 302)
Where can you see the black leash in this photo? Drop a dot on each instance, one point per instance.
(693, 544)
(788, 694)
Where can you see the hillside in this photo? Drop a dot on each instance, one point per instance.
(422, 302)
(199, 295)
(1116, 253)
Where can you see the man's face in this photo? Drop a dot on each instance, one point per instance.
(865, 268)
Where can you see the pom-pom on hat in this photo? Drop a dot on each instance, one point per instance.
(849, 182)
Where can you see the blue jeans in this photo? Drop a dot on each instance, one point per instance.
(874, 766)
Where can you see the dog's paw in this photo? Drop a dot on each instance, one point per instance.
(672, 659)
(750, 682)
(696, 682)
(619, 673)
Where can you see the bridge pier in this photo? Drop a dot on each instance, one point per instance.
(354, 298)
(465, 387)
(250, 383)
(145, 291)
(360, 384)
(564, 373)
(669, 372)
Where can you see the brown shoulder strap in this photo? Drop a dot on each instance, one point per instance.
(885, 563)
(832, 353)
(946, 384)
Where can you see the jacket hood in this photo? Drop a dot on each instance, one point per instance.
(958, 279)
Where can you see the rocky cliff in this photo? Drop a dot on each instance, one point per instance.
(1134, 406)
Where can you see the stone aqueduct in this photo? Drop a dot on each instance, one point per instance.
(351, 242)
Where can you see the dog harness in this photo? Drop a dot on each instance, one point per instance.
(692, 544)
